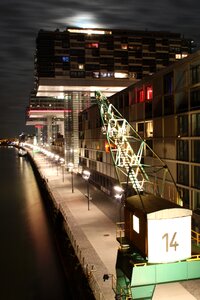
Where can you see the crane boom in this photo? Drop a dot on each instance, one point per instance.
(127, 148)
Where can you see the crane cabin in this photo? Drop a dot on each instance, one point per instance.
(159, 229)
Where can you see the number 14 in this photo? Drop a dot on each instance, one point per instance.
(171, 243)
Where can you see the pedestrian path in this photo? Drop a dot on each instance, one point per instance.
(93, 236)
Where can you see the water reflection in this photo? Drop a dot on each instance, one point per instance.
(30, 268)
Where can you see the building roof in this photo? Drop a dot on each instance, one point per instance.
(156, 207)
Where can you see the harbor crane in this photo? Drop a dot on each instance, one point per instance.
(155, 242)
(144, 174)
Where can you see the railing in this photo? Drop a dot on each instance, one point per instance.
(194, 257)
(89, 269)
(120, 230)
(196, 237)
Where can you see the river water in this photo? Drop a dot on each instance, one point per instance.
(30, 267)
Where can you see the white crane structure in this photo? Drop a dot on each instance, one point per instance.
(127, 148)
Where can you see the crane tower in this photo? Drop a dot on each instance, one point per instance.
(144, 174)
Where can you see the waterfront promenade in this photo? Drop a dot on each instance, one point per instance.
(93, 233)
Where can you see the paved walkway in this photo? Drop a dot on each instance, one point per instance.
(93, 233)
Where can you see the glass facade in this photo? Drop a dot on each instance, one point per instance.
(196, 151)
(196, 176)
(183, 174)
(195, 124)
(182, 150)
(182, 125)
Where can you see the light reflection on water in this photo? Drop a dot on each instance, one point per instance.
(29, 264)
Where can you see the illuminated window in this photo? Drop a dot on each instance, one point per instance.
(149, 129)
(124, 46)
(89, 31)
(96, 74)
(149, 92)
(178, 56)
(120, 75)
(109, 147)
(92, 45)
(81, 67)
(140, 95)
(103, 74)
(106, 74)
(184, 55)
(65, 58)
(136, 224)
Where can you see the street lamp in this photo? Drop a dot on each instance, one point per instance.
(86, 176)
(71, 166)
(62, 162)
(119, 193)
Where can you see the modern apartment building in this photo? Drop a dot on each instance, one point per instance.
(164, 108)
(71, 65)
(105, 53)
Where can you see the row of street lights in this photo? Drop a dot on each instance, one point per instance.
(119, 191)
(59, 160)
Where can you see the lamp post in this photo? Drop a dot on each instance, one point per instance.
(86, 176)
(62, 162)
(71, 166)
(119, 193)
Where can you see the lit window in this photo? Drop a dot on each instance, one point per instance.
(132, 75)
(103, 74)
(178, 56)
(89, 31)
(140, 95)
(149, 129)
(65, 58)
(110, 74)
(92, 45)
(96, 74)
(106, 74)
(149, 95)
(120, 75)
(107, 147)
(81, 67)
(184, 55)
(136, 224)
(124, 46)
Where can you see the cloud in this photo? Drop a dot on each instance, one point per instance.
(20, 21)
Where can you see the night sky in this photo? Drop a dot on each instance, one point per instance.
(21, 20)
